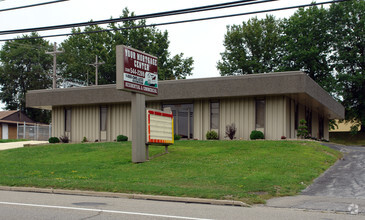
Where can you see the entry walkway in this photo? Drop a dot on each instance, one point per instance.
(341, 188)
(12, 145)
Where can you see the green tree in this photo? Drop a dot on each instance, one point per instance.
(80, 50)
(348, 31)
(24, 66)
(251, 47)
(307, 45)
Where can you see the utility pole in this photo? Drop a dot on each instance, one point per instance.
(54, 54)
(87, 78)
(96, 65)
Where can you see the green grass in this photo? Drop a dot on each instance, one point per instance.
(11, 140)
(346, 138)
(250, 171)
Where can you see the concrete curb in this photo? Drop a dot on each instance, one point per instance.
(126, 195)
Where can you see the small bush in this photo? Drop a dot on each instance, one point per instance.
(231, 131)
(53, 140)
(177, 137)
(212, 135)
(64, 139)
(84, 140)
(256, 135)
(303, 129)
(122, 138)
(283, 137)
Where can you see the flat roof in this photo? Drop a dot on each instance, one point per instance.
(295, 84)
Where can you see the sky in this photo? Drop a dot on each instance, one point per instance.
(201, 40)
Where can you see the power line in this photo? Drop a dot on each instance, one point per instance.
(34, 5)
(179, 22)
(139, 17)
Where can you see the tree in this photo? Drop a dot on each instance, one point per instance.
(251, 47)
(80, 50)
(25, 66)
(307, 45)
(348, 31)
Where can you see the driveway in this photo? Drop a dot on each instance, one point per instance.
(12, 145)
(341, 188)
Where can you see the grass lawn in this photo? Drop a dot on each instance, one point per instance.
(346, 138)
(250, 171)
(11, 140)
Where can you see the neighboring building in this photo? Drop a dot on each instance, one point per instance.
(273, 103)
(344, 126)
(9, 121)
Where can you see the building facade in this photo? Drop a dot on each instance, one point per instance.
(273, 103)
(9, 121)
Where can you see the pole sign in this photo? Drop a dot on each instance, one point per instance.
(136, 71)
(160, 127)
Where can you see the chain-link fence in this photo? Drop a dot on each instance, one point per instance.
(34, 132)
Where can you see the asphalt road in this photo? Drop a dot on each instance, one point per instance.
(341, 188)
(27, 205)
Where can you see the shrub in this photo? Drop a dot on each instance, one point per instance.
(177, 137)
(64, 139)
(231, 131)
(84, 140)
(256, 135)
(122, 138)
(283, 137)
(212, 135)
(303, 129)
(53, 140)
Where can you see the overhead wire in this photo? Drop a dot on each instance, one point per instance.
(139, 17)
(182, 21)
(33, 5)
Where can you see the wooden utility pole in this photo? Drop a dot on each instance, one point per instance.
(96, 65)
(54, 54)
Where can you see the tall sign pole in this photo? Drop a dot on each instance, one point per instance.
(137, 73)
(54, 54)
(96, 65)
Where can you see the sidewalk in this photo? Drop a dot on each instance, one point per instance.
(12, 145)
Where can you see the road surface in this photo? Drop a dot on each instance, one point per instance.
(28, 205)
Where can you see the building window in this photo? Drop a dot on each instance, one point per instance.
(68, 120)
(260, 113)
(103, 115)
(214, 115)
(308, 118)
(183, 119)
(321, 126)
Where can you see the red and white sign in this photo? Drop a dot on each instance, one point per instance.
(160, 127)
(136, 71)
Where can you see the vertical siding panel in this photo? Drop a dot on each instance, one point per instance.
(247, 118)
(268, 111)
(221, 119)
(326, 128)
(292, 135)
(114, 122)
(196, 119)
(237, 117)
(241, 120)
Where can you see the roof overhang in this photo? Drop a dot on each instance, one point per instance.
(296, 85)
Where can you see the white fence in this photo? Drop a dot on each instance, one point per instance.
(34, 132)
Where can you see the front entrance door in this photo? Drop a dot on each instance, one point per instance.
(5, 131)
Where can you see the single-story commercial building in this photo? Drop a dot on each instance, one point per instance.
(273, 103)
(9, 121)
